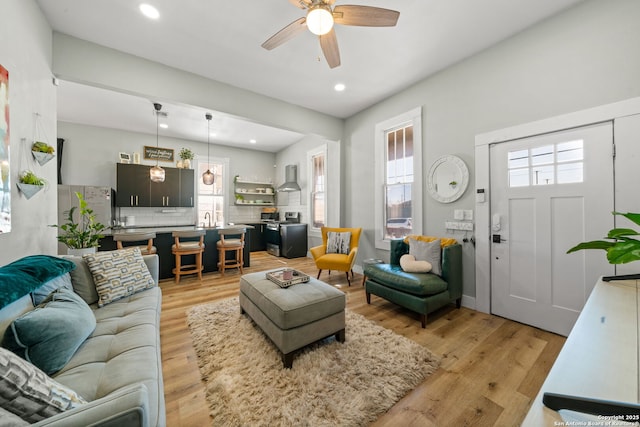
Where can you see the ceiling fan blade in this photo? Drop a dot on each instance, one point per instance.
(365, 16)
(329, 44)
(302, 4)
(286, 34)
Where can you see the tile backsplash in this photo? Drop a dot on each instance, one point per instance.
(149, 217)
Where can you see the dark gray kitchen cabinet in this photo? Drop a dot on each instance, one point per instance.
(187, 196)
(135, 189)
(167, 193)
(132, 183)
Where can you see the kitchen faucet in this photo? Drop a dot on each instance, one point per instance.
(208, 215)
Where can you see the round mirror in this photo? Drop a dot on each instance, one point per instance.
(448, 179)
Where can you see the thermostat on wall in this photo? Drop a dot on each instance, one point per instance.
(124, 157)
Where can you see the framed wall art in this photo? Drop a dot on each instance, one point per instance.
(5, 188)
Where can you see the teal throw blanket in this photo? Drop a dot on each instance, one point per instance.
(29, 273)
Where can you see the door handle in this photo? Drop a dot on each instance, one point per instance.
(497, 238)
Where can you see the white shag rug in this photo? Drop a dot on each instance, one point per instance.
(330, 384)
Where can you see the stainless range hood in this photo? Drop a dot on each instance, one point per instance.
(291, 179)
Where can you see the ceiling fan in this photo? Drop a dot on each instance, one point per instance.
(320, 19)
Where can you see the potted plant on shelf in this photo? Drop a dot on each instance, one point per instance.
(42, 152)
(186, 155)
(29, 183)
(83, 236)
(620, 247)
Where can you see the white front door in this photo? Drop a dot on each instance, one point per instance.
(549, 193)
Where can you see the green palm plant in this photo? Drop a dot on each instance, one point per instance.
(620, 247)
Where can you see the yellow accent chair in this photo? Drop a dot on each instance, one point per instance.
(328, 260)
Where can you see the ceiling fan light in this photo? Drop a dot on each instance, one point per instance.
(320, 20)
(208, 177)
(156, 174)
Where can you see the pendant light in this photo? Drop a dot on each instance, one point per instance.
(156, 172)
(208, 177)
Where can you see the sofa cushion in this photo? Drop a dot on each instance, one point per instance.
(29, 273)
(338, 243)
(118, 274)
(51, 333)
(427, 251)
(40, 294)
(29, 393)
(410, 264)
(392, 276)
(123, 349)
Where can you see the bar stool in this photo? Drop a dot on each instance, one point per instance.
(188, 247)
(147, 249)
(235, 244)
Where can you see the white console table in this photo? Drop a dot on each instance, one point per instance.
(599, 360)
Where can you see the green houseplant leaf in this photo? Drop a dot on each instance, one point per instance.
(620, 248)
(86, 233)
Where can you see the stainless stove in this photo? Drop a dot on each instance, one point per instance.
(287, 238)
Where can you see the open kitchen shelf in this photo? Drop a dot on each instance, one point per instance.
(253, 193)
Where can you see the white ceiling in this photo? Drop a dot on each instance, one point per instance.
(221, 40)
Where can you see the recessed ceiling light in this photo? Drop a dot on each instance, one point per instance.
(164, 125)
(149, 11)
(339, 87)
(253, 141)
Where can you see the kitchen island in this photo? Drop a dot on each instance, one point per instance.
(164, 241)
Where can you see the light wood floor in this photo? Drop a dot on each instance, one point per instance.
(491, 368)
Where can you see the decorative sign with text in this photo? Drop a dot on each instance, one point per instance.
(158, 153)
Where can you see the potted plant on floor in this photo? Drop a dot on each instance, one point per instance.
(621, 248)
(83, 236)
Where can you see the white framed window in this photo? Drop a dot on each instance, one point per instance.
(317, 160)
(398, 176)
(212, 198)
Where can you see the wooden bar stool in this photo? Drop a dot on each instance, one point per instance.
(147, 249)
(188, 247)
(234, 244)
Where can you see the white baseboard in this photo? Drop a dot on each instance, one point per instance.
(469, 302)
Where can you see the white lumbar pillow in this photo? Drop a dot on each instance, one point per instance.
(410, 265)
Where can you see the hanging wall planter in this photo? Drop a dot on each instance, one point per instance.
(29, 184)
(29, 190)
(42, 158)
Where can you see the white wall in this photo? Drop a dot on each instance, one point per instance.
(584, 57)
(81, 61)
(25, 51)
(90, 156)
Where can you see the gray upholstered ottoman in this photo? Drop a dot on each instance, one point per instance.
(293, 317)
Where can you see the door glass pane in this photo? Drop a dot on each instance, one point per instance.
(518, 159)
(570, 173)
(543, 175)
(542, 155)
(570, 151)
(519, 177)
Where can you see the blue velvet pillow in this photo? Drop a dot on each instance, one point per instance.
(29, 273)
(49, 286)
(49, 335)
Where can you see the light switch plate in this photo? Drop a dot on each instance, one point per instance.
(467, 215)
(458, 214)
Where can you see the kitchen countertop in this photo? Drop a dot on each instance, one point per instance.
(171, 228)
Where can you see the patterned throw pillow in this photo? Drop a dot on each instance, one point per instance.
(118, 274)
(29, 393)
(427, 251)
(338, 243)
